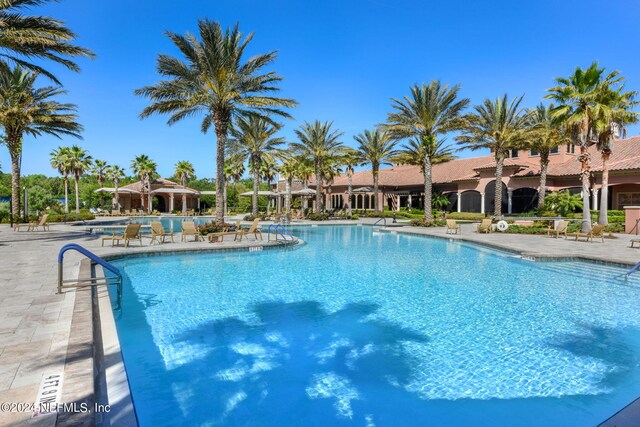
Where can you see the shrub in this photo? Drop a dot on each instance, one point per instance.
(420, 222)
(249, 217)
(212, 227)
(323, 216)
(526, 229)
(469, 216)
(563, 202)
(355, 216)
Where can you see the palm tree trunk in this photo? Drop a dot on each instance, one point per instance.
(604, 191)
(15, 184)
(287, 200)
(115, 184)
(375, 190)
(542, 191)
(184, 203)
(221, 124)
(76, 178)
(256, 188)
(349, 208)
(497, 211)
(584, 177)
(318, 208)
(100, 183)
(226, 202)
(428, 189)
(66, 193)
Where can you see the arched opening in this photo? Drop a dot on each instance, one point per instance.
(524, 200)
(158, 203)
(490, 198)
(453, 201)
(470, 201)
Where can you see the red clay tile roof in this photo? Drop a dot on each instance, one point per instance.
(156, 183)
(625, 156)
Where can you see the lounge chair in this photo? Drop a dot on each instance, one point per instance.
(189, 229)
(127, 212)
(561, 228)
(131, 232)
(453, 227)
(158, 233)
(213, 237)
(33, 225)
(633, 243)
(115, 212)
(597, 231)
(254, 229)
(485, 226)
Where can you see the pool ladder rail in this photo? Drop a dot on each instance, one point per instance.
(279, 230)
(381, 219)
(632, 270)
(116, 279)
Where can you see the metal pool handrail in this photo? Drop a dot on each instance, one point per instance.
(90, 281)
(279, 229)
(381, 219)
(633, 269)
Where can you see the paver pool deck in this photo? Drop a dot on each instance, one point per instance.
(35, 322)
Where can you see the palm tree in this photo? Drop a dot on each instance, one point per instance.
(610, 125)
(100, 168)
(331, 170)
(144, 168)
(80, 162)
(233, 170)
(26, 37)
(416, 153)
(115, 174)
(253, 139)
(349, 160)
(305, 172)
(547, 133)
(318, 143)
(425, 117)
(268, 172)
(185, 171)
(60, 161)
(579, 102)
(289, 170)
(377, 149)
(499, 125)
(25, 109)
(214, 82)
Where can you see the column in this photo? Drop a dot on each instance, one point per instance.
(170, 202)
(459, 201)
(198, 203)
(398, 204)
(509, 201)
(410, 204)
(594, 199)
(184, 204)
(481, 203)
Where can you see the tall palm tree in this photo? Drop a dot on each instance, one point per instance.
(233, 170)
(377, 149)
(499, 125)
(427, 115)
(547, 133)
(289, 170)
(305, 171)
(60, 161)
(144, 168)
(268, 172)
(416, 153)
(318, 142)
(100, 168)
(116, 173)
(80, 162)
(608, 126)
(185, 171)
(25, 109)
(254, 139)
(350, 161)
(26, 37)
(579, 99)
(214, 81)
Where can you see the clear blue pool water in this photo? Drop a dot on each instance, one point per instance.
(362, 328)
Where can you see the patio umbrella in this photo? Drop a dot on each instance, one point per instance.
(304, 192)
(260, 193)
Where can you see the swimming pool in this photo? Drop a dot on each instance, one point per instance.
(359, 327)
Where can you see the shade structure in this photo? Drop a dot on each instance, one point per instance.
(260, 193)
(363, 190)
(113, 190)
(174, 191)
(208, 193)
(304, 192)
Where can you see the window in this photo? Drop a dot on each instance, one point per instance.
(534, 153)
(628, 199)
(571, 148)
(554, 150)
(512, 153)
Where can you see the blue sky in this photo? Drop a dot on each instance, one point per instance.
(341, 60)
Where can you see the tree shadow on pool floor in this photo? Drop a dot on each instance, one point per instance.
(297, 361)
